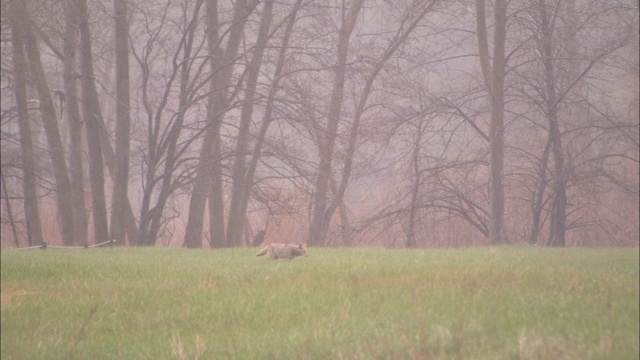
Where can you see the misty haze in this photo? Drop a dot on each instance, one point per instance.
(200, 125)
(411, 133)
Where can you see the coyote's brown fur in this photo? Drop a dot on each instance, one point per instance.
(284, 251)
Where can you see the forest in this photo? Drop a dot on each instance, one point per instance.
(405, 123)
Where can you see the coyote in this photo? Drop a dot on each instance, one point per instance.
(284, 251)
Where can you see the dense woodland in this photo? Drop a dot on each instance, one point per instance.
(219, 123)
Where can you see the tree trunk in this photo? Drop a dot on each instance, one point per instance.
(12, 223)
(174, 133)
(121, 166)
(93, 121)
(109, 156)
(74, 121)
(237, 212)
(31, 211)
(345, 227)
(494, 81)
(415, 162)
(537, 203)
(399, 39)
(210, 146)
(319, 222)
(63, 184)
(557, 225)
(209, 169)
(268, 112)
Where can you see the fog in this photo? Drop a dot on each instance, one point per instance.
(350, 123)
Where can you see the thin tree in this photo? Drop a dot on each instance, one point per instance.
(123, 127)
(50, 122)
(70, 76)
(319, 221)
(412, 18)
(162, 139)
(559, 184)
(217, 236)
(267, 118)
(237, 209)
(208, 178)
(494, 75)
(31, 210)
(415, 14)
(558, 70)
(93, 121)
(7, 202)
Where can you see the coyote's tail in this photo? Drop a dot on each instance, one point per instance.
(263, 251)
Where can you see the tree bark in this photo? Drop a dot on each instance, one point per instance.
(31, 210)
(12, 223)
(237, 212)
(172, 149)
(537, 201)
(557, 224)
(217, 237)
(121, 166)
(74, 121)
(109, 156)
(399, 39)
(494, 81)
(319, 222)
(345, 226)
(63, 184)
(93, 121)
(415, 190)
(209, 169)
(268, 112)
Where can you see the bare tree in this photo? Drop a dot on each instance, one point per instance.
(123, 127)
(417, 173)
(371, 121)
(237, 207)
(267, 119)
(31, 209)
(165, 117)
(70, 76)
(208, 179)
(412, 16)
(63, 184)
(550, 83)
(7, 199)
(93, 122)
(494, 75)
(216, 99)
(319, 221)
(559, 205)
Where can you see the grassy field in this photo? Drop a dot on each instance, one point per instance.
(472, 303)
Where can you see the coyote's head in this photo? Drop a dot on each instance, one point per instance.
(300, 250)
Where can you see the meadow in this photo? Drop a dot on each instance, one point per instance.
(509, 302)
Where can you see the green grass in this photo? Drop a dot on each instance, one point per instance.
(472, 303)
